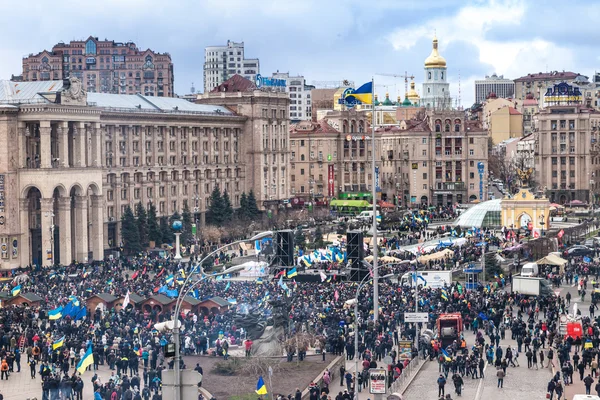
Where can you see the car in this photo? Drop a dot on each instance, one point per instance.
(579, 251)
(591, 242)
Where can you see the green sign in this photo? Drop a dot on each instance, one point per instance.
(193, 229)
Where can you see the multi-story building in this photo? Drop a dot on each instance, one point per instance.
(536, 84)
(223, 62)
(266, 151)
(300, 95)
(71, 161)
(436, 89)
(494, 84)
(566, 149)
(104, 66)
(529, 107)
(431, 160)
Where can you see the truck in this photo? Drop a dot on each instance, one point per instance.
(449, 327)
(530, 269)
(432, 279)
(531, 286)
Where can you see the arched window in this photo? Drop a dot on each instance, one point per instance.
(45, 60)
(429, 75)
(447, 128)
(457, 128)
(438, 125)
(90, 47)
(301, 157)
(442, 75)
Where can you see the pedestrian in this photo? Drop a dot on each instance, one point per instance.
(441, 384)
(587, 381)
(500, 374)
(458, 382)
(4, 369)
(32, 365)
(558, 390)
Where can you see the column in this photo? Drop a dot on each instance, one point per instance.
(81, 228)
(63, 144)
(47, 216)
(24, 245)
(22, 131)
(64, 224)
(79, 132)
(96, 155)
(97, 227)
(45, 150)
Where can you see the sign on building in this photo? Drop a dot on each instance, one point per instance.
(377, 381)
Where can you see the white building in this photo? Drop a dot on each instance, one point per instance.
(299, 92)
(222, 62)
(436, 89)
(502, 87)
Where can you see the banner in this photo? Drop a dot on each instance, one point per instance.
(377, 186)
(331, 181)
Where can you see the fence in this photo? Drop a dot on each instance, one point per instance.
(400, 384)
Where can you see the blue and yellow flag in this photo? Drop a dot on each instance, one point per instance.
(74, 300)
(55, 314)
(292, 273)
(364, 94)
(180, 280)
(86, 360)
(444, 294)
(16, 290)
(261, 388)
(182, 273)
(110, 281)
(169, 279)
(59, 343)
(446, 356)
(259, 281)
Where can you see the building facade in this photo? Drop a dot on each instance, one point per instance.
(223, 62)
(266, 151)
(432, 159)
(300, 96)
(498, 85)
(71, 162)
(436, 89)
(104, 66)
(566, 143)
(536, 84)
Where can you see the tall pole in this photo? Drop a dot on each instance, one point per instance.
(417, 310)
(356, 341)
(374, 194)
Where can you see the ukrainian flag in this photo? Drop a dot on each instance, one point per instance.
(55, 314)
(74, 300)
(261, 388)
(182, 273)
(59, 343)
(180, 280)
(364, 94)
(16, 290)
(170, 279)
(444, 295)
(259, 281)
(86, 360)
(110, 281)
(446, 356)
(378, 218)
(292, 273)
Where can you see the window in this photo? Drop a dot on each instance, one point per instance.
(424, 186)
(424, 140)
(424, 152)
(554, 174)
(471, 152)
(471, 141)
(471, 163)
(471, 186)
(472, 175)
(301, 171)
(90, 47)
(424, 175)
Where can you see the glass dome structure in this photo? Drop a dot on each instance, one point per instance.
(482, 215)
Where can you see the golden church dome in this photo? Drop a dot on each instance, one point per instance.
(412, 94)
(435, 60)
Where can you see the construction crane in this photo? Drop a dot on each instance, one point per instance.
(405, 76)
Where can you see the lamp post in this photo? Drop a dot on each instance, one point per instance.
(185, 291)
(52, 227)
(542, 223)
(354, 302)
(177, 227)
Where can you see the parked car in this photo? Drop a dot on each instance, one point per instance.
(579, 251)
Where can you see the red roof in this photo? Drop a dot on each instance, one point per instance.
(513, 111)
(236, 83)
(312, 127)
(547, 75)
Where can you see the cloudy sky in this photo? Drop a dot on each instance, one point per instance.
(325, 40)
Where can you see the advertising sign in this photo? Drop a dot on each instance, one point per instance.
(262, 81)
(330, 181)
(377, 380)
(480, 169)
(377, 187)
(404, 349)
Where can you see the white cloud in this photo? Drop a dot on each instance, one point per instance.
(471, 23)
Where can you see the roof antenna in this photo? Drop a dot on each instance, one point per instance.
(459, 99)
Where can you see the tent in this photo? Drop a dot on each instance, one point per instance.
(436, 256)
(554, 260)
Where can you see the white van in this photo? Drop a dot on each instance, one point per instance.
(530, 269)
(585, 397)
(366, 216)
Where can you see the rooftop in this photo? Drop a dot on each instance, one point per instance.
(548, 75)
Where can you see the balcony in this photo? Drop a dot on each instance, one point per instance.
(450, 186)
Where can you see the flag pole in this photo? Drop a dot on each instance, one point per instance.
(374, 194)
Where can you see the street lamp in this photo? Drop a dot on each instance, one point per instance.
(184, 292)
(542, 223)
(52, 227)
(354, 302)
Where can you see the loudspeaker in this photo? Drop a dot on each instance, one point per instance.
(355, 251)
(284, 248)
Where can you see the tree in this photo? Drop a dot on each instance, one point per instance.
(154, 233)
(216, 210)
(130, 232)
(142, 223)
(318, 237)
(227, 207)
(492, 266)
(166, 231)
(186, 219)
(253, 211)
(299, 237)
(242, 211)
